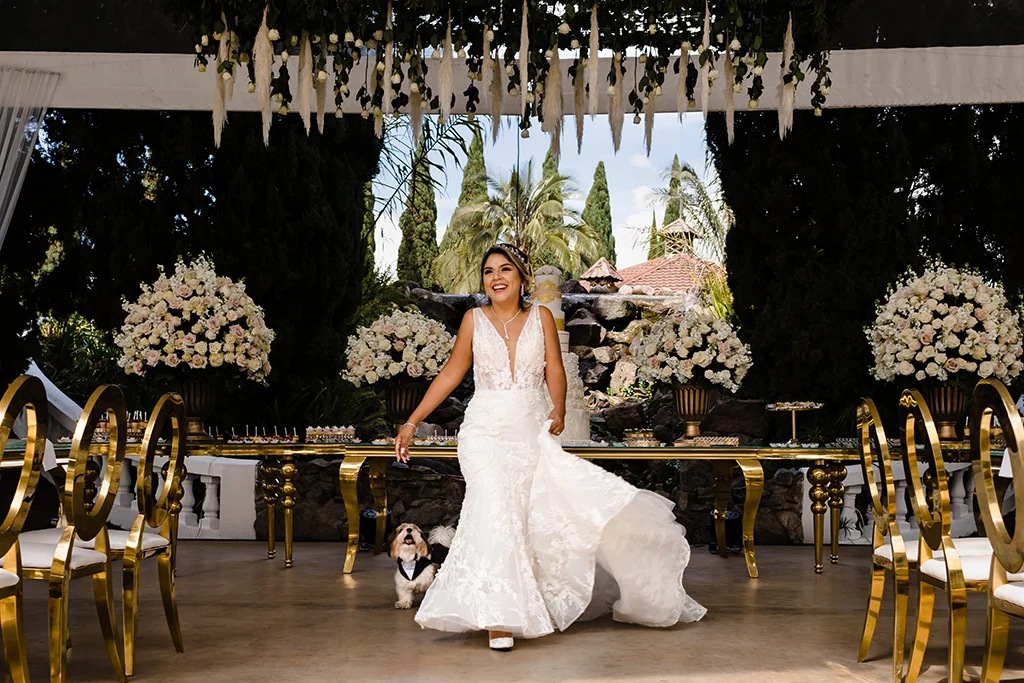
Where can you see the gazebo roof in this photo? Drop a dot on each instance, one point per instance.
(602, 270)
(677, 272)
(678, 226)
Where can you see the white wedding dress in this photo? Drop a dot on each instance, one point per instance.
(544, 537)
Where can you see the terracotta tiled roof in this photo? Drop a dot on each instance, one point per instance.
(677, 272)
(677, 226)
(602, 270)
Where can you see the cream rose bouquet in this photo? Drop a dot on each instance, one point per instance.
(195, 319)
(945, 325)
(401, 344)
(692, 345)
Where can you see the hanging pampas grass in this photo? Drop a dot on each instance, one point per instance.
(446, 73)
(485, 68)
(497, 92)
(682, 104)
(389, 65)
(649, 122)
(553, 107)
(578, 93)
(787, 91)
(321, 103)
(524, 60)
(616, 110)
(305, 86)
(263, 64)
(595, 41)
(220, 114)
(730, 94)
(705, 70)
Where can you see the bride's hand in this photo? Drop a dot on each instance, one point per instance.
(402, 442)
(557, 422)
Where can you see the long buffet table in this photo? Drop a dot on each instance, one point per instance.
(278, 470)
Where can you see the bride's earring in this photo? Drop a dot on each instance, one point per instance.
(522, 291)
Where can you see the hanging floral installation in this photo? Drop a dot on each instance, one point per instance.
(509, 49)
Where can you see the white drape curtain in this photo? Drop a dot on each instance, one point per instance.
(24, 96)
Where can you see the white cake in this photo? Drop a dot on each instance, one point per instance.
(548, 293)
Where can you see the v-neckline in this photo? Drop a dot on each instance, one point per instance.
(512, 360)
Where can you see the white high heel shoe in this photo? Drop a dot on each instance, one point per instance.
(501, 642)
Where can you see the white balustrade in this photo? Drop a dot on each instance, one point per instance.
(227, 509)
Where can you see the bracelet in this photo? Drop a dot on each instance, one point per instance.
(414, 426)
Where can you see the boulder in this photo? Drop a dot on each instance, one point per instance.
(666, 425)
(582, 352)
(613, 308)
(595, 375)
(627, 415)
(624, 374)
(585, 330)
(626, 290)
(605, 355)
(631, 332)
(737, 416)
(442, 311)
(573, 287)
(450, 409)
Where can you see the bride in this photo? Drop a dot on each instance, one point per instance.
(544, 537)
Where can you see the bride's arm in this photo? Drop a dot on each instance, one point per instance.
(554, 371)
(451, 376)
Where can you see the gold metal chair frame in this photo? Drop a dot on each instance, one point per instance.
(934, 519)
(886, 527)
(992, 399)
(28, 394)
(86, 521)
(160, 513)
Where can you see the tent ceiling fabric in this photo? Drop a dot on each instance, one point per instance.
(861, 78)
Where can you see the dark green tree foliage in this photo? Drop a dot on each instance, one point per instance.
(597, 213)
(474, 187)
(549, 170)
(655, 243)
(674, 192)
(418, 249)
(369, 227)
(281, 217)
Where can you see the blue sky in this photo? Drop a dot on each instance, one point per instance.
(631, 174)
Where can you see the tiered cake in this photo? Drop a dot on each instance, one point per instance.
(547, 292)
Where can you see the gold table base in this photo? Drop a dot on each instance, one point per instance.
(826, 491)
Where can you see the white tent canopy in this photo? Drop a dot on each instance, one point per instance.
(860, 78)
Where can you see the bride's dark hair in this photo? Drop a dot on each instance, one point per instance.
(519, 261)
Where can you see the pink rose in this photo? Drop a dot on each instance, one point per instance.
(172, 360)
(237, 332)
(213, 324)
(653, 362)
(137, 367)
(190, 339)
(198, 361)
(152, 357)
(183, 290)
(176, 303)
(266, 367)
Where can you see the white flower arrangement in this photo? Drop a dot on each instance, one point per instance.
(691, 345)
(945, 325)
(401, 343)
(195, 319)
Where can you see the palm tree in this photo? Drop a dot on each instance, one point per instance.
(529, 214)
(701, 205)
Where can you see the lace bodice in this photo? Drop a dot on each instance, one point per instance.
(492, 370)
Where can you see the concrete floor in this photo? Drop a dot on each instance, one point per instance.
(248, 619)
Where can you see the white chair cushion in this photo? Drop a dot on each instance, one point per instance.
(8, 579)
(40, 556)
(976, 568)
(118, 539)
(1011, 592)
(964, 546)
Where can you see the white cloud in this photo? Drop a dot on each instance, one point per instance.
(639, 160)
(641, 198)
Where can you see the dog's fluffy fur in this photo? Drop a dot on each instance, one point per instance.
(408, 546)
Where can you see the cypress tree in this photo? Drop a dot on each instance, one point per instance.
(674, 190)
(474, 188)
(418, 223)
(369, 229)
(655, 244)
(549, 169)
(597, 213)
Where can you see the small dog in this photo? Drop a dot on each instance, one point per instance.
(418, 559)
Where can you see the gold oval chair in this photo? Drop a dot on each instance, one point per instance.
(890, 553)
(159, 512)
(28, 394)
(954, 567)
(64, 560)
(1006, 582)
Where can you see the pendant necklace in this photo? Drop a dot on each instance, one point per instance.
(505, 324)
